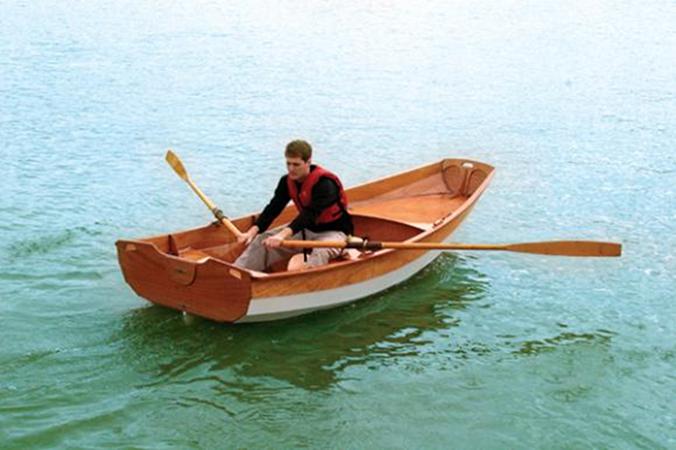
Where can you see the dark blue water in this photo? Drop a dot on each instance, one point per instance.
(573, 103)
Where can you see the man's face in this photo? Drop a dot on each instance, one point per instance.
(297, 168)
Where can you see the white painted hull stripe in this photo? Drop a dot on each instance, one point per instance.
(273, 308)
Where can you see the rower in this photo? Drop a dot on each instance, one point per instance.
(321, 202)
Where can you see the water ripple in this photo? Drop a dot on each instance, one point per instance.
(42, 245)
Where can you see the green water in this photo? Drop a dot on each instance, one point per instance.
(575, 106)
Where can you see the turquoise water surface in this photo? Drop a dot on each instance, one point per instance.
(574, 103)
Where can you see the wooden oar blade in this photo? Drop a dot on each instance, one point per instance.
(177, 165)
(568, 248)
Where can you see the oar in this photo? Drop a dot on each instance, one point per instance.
(560, 248)
(179, 168)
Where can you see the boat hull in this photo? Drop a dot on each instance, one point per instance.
(192, 271)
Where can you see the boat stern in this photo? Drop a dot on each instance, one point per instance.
(208, 288)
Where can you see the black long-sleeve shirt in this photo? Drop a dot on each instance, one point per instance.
(324, 194)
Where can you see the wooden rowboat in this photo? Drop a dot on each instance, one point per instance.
(192, 270)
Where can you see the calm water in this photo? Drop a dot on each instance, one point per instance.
(575, 105)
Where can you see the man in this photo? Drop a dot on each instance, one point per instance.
(322, 215)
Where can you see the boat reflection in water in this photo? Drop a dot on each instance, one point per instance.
(309, 352)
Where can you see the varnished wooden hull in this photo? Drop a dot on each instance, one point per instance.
(192, 271)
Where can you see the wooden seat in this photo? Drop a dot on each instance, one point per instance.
(420, 212)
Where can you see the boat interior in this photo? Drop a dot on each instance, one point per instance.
(397, 208)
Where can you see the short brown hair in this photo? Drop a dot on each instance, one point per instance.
(299, 149)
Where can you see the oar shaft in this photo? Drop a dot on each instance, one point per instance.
(376, 245)
(441, 246)
(214, 209)
(176, 164)
(201, 195)
(560, 248)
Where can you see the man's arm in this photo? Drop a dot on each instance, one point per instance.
(270, 212)
(274, 207)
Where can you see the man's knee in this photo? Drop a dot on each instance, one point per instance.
(321, 256)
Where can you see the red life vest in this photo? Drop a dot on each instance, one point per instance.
(303, 199)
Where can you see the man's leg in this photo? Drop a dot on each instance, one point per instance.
(321, 256)
(258, 257)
